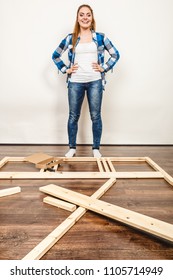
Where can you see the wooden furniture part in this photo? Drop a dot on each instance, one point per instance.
(55, 235)
(145, 223)
(44, 161)
(105, 169)
(59, 203)
(166, 176)
(81, 175)
(9, 191)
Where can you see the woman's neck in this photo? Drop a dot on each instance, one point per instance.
(85, 36)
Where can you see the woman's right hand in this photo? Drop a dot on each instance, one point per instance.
(72, 69)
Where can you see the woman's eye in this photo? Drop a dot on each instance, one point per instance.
(82, 15)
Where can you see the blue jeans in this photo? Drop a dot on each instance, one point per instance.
(76, 93)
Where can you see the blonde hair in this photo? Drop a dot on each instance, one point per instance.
(76, 29)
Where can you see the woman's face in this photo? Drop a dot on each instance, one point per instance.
(85, 18)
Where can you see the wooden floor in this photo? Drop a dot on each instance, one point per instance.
(25, 220)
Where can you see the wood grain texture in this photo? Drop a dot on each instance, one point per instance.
(57, 233)
(25, 220)
(9, 191)
(134, 219)
(59, 203)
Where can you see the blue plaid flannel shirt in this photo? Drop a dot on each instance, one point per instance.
(102, 42)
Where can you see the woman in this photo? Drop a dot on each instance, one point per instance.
(85, 73)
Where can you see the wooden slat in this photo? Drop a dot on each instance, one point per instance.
(55, 235)
(4, 161)
(48, 164)
(166, 176)
(80, 159)
(145, 223)
(100, 165)
(105, 165)
(128, 159)
(13, 159)
(9, 191)
(55, 167)
(124, 159)
(111, 165)
(39, 158)
(86, 159)
(59, 203)
(79, 175)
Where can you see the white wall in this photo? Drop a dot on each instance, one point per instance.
(137, 104)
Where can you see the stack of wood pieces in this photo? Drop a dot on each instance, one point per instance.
(44, 161)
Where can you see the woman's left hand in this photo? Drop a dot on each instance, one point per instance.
(97, 67)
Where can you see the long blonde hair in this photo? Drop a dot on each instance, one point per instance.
(76, 29)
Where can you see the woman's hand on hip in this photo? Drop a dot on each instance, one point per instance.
(72, 69)
(97, 67)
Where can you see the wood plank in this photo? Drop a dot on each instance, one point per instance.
(105, 165)
(59, 231)
(79, 175)
(16, 159)
(59, 203)
(105, 239)
(93, 237)
(55, 167)
(167, 177)
(39, 158)
(145, 223)
(111, 165)
(100, 165)
(48, 164)
(79, 159)
(9, 191)
(86, 159)
(4, 161)
(121, 159)
(43, 161)
(128, 159)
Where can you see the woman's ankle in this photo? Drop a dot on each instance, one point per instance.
(96, 153)
(71, 152)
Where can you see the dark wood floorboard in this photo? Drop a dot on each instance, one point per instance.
(25, 220)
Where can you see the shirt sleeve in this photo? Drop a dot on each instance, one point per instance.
(114, 55)
(56, 56)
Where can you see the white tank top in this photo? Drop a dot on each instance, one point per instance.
(85, 55)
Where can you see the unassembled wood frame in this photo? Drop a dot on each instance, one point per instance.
(105, 170)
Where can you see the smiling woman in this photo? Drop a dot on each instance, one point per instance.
(85, 18)
(85, 73)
